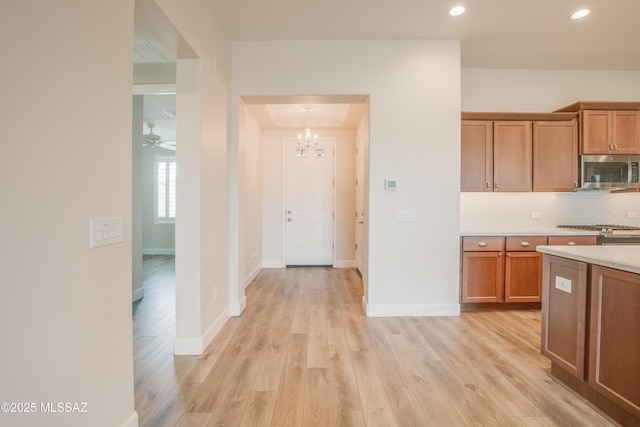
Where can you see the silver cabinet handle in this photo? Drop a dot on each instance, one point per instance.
(525, 244)
(482, 244)
(495, 185)
(488, 185)
(508, 254)
(499, 253)
(572, 243)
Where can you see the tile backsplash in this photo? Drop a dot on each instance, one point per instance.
(517, 209)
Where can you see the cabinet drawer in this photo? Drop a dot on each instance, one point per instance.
(572, 240)
(490, 243)
(525, 243)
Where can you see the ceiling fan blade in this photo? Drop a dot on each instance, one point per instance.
(169, 145)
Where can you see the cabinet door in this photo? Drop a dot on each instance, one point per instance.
(523, 277)
(512, 156)
(564, 313)
(482, 277)
(614, 344)
(624, 132)
(555, 156)
(476, 173)
(595, 132)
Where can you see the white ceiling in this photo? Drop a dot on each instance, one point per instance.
(536, 34)
(529, 34)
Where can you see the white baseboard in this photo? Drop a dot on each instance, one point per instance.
(253, 275)
(137, 294)
(410, 310)
(196, 346)
(151, 251)
(237, 309)
(131, 421)
(273, 264)
(345, 264)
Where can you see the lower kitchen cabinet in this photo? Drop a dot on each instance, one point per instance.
(590, 332)
(614, 356)
(498, 269)
(523, 269)
(482, 269)
(564, 313)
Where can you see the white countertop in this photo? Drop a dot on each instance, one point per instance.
(620, 257)
(524, 231)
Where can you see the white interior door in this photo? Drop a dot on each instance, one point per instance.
(360, 201)
(309, 212)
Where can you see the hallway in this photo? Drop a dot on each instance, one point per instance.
(304, 354)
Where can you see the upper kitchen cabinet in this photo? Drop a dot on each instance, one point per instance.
(608, 127)
(476, 172)
(519, 152)
(609, 132)
(512, 156)
(555, 155)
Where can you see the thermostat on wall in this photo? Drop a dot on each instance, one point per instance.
(390, 184)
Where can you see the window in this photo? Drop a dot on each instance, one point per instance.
(165, 190)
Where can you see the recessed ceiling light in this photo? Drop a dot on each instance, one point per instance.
(458, 10)
(581, 14)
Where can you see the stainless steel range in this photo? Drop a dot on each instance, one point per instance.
(611, 234)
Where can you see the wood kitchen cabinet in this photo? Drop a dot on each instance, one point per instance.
(564, 313)
(496, 155)
(482, 269)
(614, 344)
(555, 155)
(500, 269)
(572, 240)
(523, 269)
(519, 152)
(609, 132)
(476, 173)
(512, 156)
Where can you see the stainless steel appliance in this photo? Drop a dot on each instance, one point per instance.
(613, 171)
(611, 234)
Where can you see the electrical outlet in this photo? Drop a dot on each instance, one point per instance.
(632, 214)
(563, 284)
(535, 215)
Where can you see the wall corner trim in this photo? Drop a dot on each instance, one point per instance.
(411, 310)
(137, 294)
(131, 421)
(196, 346)
(237, 309)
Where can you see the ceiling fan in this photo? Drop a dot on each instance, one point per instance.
(153, 140)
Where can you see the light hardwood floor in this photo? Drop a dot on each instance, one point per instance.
(304, 354)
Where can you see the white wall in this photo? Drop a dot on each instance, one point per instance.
(65, 309)
(414, 88)
(137, 290)
(545, 91)
(203, 292)
(273, 165)
(250, 177)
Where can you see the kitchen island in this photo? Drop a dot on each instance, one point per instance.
(591, 324)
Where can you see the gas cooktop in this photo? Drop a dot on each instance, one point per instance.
(610, 229)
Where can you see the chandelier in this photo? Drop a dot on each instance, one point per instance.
(308, 140)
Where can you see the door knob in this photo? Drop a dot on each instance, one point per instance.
(289, 219)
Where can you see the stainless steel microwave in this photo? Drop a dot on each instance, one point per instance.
(614, 171)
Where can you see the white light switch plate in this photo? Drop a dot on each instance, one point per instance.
(563, 284)
(106, 231)
(406, 215)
